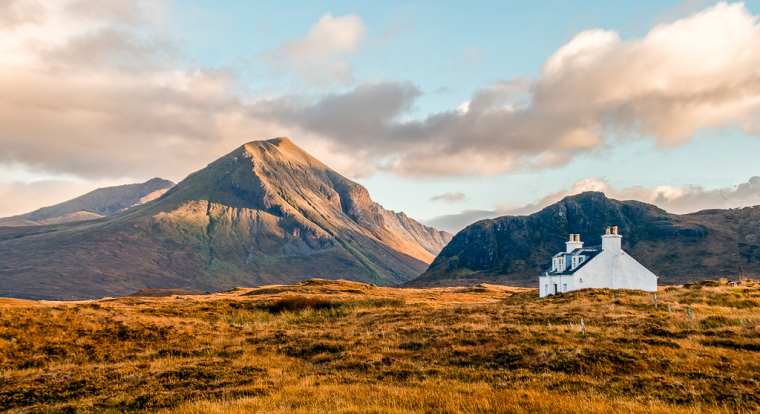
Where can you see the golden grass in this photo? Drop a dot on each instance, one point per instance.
(350, 348)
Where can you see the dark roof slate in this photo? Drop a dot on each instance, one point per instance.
(589, 252)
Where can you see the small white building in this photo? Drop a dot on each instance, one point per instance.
(605, 266)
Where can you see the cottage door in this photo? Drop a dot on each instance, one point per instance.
(555, 288)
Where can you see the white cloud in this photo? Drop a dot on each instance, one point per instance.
(450, 197)
(317, 56)
(696, 73)
(97, 90)
(15, 13)
(328, 37)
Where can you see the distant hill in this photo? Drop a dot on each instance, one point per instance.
(426, 237)
(514, 250)
(267, 213)
(162, 293)
(95, 204)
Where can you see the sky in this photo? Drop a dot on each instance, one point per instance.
(450, 111)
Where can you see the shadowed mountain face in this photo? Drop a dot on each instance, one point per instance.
(267, 213)
(95, 204)
(685, 248)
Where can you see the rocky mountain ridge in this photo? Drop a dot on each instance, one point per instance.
(514, 250)
(428, 238)
(95, 204)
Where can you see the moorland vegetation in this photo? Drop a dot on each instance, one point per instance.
(335, 346)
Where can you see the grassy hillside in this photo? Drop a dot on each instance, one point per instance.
(353, 348)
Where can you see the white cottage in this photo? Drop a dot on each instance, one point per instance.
(605, 266)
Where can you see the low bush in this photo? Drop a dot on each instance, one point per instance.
(301, 302)
(731, 344)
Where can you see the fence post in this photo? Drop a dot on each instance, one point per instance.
(583, 327)
(688, 312)
(669, 312)
(655, 300)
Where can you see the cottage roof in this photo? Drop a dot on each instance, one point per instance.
(589, 252)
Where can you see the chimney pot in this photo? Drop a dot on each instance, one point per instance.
(611, 240)
(574, 243)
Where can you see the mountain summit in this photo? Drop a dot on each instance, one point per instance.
(266, 213)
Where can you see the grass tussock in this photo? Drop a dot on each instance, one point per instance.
(298, 303)
(316, 347)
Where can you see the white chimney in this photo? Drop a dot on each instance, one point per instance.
(574, 243)
(612, 240)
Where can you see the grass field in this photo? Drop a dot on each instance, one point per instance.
(346, 347)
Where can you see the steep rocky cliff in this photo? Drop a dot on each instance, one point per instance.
(514, 250)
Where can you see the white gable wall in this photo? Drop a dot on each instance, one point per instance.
(630, 274)
(616, 271)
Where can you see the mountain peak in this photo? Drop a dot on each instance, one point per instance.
(283, 144)
(160, 181)
(279, 141)
(586, 195)
(281, 149)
